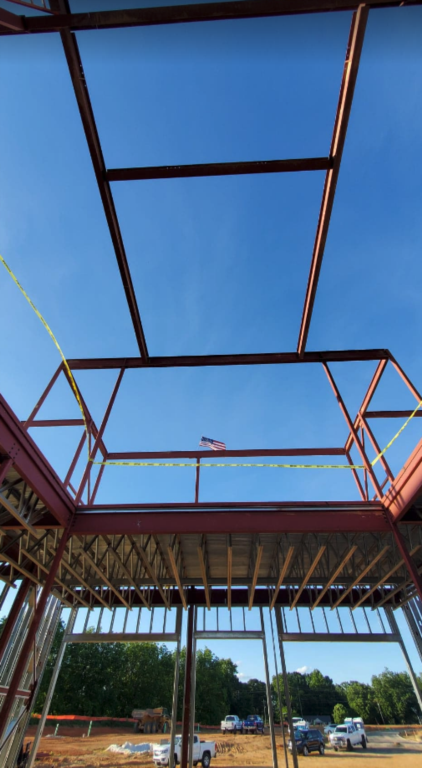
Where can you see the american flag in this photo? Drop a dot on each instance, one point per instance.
(207, 442)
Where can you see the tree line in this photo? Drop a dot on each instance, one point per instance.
(112, 679)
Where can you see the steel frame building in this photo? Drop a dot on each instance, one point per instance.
(69, 551)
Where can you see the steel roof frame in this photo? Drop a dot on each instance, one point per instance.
(61, 20)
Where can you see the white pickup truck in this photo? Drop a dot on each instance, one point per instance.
(231, 724)
(347, 736)
(203, 751)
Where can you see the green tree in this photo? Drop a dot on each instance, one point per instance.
(395, 697)
(339, 713)
(360, 698)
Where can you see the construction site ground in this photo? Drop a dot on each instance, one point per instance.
(401, 748)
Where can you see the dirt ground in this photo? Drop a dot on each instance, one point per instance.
(72, 748)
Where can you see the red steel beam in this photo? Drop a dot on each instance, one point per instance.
(56, 423)
(194, 361)
(98, 440)
(77, 75)
(368, 397)
(43, 397)
(11, 22)
(392, 414)
(410, 565)
(219, 169)
(406, 487)
(249, 452)
(200, 520)
(179, 14)
(32, 465)
(351, 66)
(353, 432)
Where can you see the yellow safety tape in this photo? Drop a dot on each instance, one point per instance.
(182, 464)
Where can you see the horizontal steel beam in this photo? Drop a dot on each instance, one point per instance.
(179, 14)
(194, 361)
(219, 169)
(242, 520)
(340, 637)
(56, 423)
(250, 452)
(391, 414)
(228, 635)
(122, 637)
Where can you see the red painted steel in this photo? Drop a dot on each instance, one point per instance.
(406, 487)
(219, 169)
(392, 414)
(13, 614)
(243, 520)
(368, 397)
(77, 75)
(240, 452)
(43, 397)
(5, 465)
(350, 73)
(353, 432)
(217, 11)
(10, 22)
(410, 565)
(32, 465)
(99, 439)
(194, 361)
(31, 635)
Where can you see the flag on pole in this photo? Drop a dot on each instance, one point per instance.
(207, 442)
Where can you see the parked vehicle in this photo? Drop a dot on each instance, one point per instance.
(308, 741)
(231, 724)
(253, 724)
(299, 722)
(330, 728)
(203, 751)
(347, 736)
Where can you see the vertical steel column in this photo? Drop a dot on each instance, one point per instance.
(187, 692)
(268, 687)
(410, 565)
(193, 691)
(32, 631)
(395, 628)
(413, 615)
(179, 616)
(286, 759)
(51, 688)
(13, 615)
(279, 622)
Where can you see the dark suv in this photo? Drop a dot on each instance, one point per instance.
(253, 724)
(308, 741)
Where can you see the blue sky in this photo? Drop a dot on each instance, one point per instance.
(219, 265)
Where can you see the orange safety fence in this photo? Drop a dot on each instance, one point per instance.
(87, 718)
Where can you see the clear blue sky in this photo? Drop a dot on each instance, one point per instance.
(219, 265)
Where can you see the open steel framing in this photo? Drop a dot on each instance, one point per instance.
(57, 540)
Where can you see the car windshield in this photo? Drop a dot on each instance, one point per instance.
(230, 719)
(341, 729)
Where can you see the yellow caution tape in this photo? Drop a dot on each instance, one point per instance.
(183, 464)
